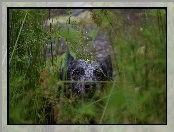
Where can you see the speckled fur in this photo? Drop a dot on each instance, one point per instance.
(85, 76)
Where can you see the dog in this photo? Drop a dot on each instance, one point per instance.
(86, 77)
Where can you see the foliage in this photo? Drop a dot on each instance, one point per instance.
(136, 96)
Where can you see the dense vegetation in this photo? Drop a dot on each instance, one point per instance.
(136, 96)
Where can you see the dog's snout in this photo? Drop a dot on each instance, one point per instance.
(87, 86)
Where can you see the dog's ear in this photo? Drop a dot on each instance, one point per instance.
(68, 61)
(106, 66)
(70, 58)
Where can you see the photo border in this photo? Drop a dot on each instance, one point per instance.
(81, 127)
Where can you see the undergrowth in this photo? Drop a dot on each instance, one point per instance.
(137, 95)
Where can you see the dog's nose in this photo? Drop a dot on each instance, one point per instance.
(87, 85)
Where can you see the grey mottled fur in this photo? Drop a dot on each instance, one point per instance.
(85, 76)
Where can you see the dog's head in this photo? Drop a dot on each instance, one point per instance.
(85, 76)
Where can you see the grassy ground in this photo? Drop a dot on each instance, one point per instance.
(136, 96)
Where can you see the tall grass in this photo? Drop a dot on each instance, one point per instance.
(136, 96)
(26, 37)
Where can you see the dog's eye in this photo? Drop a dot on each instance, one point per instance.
(78, 71)
(98, 74)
